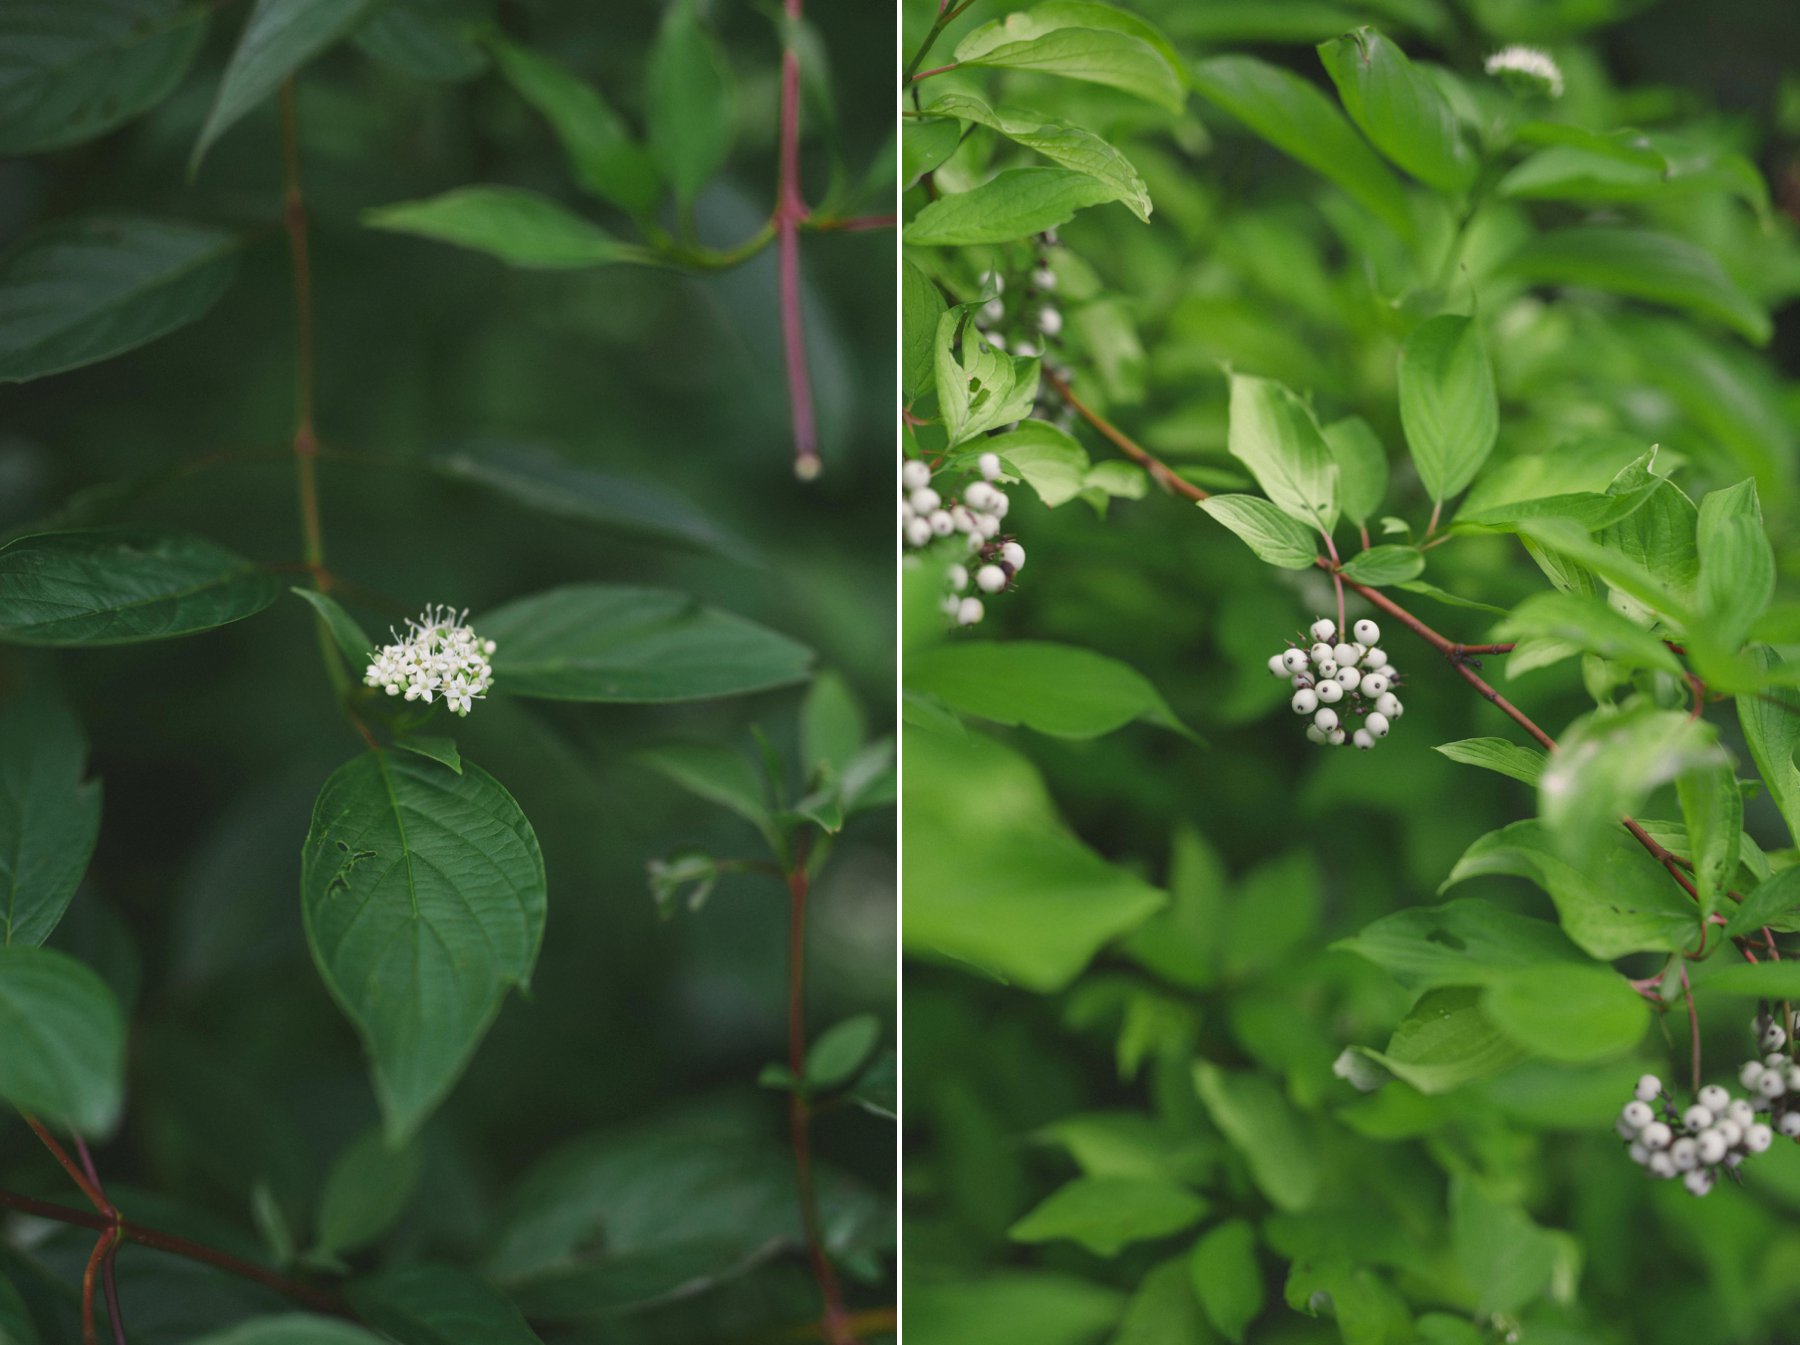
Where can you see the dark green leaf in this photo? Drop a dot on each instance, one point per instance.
(123, 585)
(1053, 688)
(87, 289)
(1508, 1259)
(1108, 1214)
(832, 726)
(1771, 724)
(65, 1040)
(1272, 534)
(366, 1191)
(292, 1329)
(1015, 204)
(432, 748)
(604, 157)
(688, 102)
(1301, 122)
(610, 642)
(539, 478)
(519, 227)
(70, 72)
(1447, 403)
(925, 142)
(423, 897)
(279, 37)
(840, 1051)
(348, 636)
(49, 818)
(436, 1305)
(1584, 624)
(717, 774)
(422, 39)
(1399, 108)
(1640, 264)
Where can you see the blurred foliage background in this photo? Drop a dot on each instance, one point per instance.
(244, 1080)
(1269, 850)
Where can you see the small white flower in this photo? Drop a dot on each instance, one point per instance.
(438, 656)
(1526, 69)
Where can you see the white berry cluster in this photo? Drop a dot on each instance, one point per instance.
(1035, 320)
(1527, 70)
(1334, 681)
(439, 656)
(1715, 1135)
(927, 516)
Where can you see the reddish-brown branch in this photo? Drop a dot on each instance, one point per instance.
(836, 1321)
(790, 211)
(1160, 471)
(309, 1295)
(850, 224)
(306, 444)
(89, 1188)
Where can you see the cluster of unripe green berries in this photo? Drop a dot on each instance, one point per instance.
(926, 516)
(1333, 681)
(1718, 1132)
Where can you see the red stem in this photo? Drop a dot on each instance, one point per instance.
(91, 1189)
(852, 224)
(1160, 471)
(836, 1321)
(790, 211)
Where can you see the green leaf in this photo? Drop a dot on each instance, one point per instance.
(541, 479)
(1446, 1041)
(840, 1052)
(1400, 109)
(1770, 902)
(1012, 1307)
(1292, 115)
(1583, 624)
(366, 1192)
(1505, 1257)
(422, 39)
(438, 1305)
(1608, 764)
(519, 227)
(1116, 59)
(84, 290)
(1014, 204)
(1447, 403)
(292, 1329)
(832, 725)
(1054, 688)
(1620, 903)
(71, 72)
(877, 1091)
(1771, 725)
(1737, 564)
(1049, 15)
(1182, 943)
(1713, 808)
(611, 642)
(1068, 146)
(65, 1041)
(716, 774)
(1574, 1013)
(348, 636)
(1163, 1310)
(994, 878)
(423, 897)
(1497, 754)
(1381, 566)
(1043, 457)
(1226, 1277)
(921, 308)
(1639, 264)
(603, 156)
(1465, 942)
(1108, 1214)
(49, 817)
(1261, 1125)
(16, 1326)
(689, 102)
(1274, 536)
(925, 142)
(1273, 433)
(985, 388)
(1362, 467)
(123, 585)
(278, 38)
(1760, 980)
(432, 748)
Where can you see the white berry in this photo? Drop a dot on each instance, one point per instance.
(1758, 1138)
(1279, 667)
(1374, 658)
(1775, 1038)
(1377, 723)
(1374, 684)
(980, 496)
(1698, 1182)
(1346, 655)
(924, 500)
(1295, 659)
(988, 464)
(1697, 1118)
(1315, 734)
(1330, 691)
(1647, 1088)
(918, 531)
(1305, 701)
(1685, 1154)
(990, 579)
(1661, 1165)
(1751, 1072)
(1049, 322)
(959, 578)
(1712, 1148)
(1771, 1085)
(915, 475)
(1657, 1135)
(1740, 1111)
(1326, 719)
(1348, 678)
(1335, 737)
(1362, 739)
(1387, 703)
(1323, 629)
(1714, 1098)
(1366, 631)
(969, 611)
(1637, 1114)
(1013, 554)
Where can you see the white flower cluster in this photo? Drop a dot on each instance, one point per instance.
(1526, 69)
(1718, 1132)
(1332, 681)
(926, 516)
(439, 656)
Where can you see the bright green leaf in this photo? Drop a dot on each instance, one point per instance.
(1447, 403)
(1362, 467)
(519, 227)
(1399, 108)
(689, 102)
(1068, 146)
(1108, 1214)
(1574, 1013)
(1226, 1277)
(1464, 942)
(1445, 1042)
(1261, 1125)
(1014, 204)
(1116, 59)
(1382, 566)
(1497, 754)
(1054, 688)
(1273, 433)
(1273, 535)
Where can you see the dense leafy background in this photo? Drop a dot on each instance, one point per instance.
(1128, 985)
(490, 434)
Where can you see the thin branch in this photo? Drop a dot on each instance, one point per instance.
(1160, 471)
(309, 1295)
(849, 223)
(91, 1189)
(790, 210)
